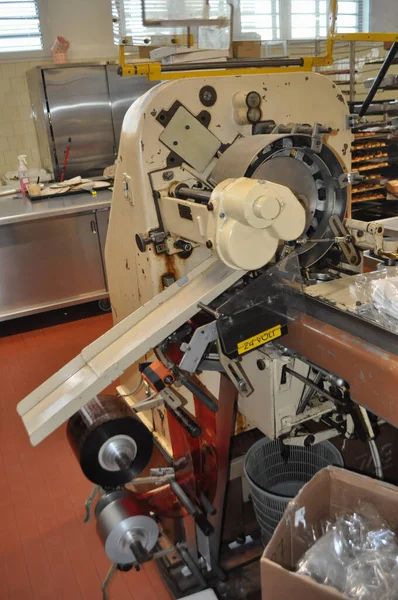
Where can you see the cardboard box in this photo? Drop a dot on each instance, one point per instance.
(246, 49)
(330, 493)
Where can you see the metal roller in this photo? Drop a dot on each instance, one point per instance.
(111, 444)
(127, 534)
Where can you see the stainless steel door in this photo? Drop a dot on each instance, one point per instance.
(80, 109)
(49, 263)
(123, 91)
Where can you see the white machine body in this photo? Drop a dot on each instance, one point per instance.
(170, 137)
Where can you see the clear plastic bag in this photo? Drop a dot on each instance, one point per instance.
(358, 555)
(377, 296)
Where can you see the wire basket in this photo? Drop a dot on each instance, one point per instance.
(274, 481)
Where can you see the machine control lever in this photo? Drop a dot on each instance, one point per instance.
(142, 555)
(198, 393)
(200, 520)
(184, 419)
(142, 241)
(346, 239)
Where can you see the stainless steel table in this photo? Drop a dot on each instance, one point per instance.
(52, 252)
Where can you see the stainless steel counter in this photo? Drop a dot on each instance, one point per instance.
(16, 209)
(52, 252)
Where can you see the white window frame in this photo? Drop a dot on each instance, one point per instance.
(45, 34)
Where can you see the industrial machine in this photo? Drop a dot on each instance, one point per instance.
(231, 203)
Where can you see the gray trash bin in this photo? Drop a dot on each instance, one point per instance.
(274, 482)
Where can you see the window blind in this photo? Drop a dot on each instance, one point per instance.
(19, 26)
(127, 17)
(271, 19)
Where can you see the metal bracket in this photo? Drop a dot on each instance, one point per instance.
(351, 120)
(348, 249)
(236, 373)
(350, 178)
(148, 403)
(158, 476)
(195, 349)
(171, 398)
(316, 138)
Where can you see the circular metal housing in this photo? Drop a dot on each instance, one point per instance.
(289, 160)
(121, 524)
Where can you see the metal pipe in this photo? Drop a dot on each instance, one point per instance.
(352, 74)
(380, 76)
(209, 310)
(207, 505)
(310, 384)
(199, 393)
(186, 193)
(235, 64)
(183, 498)
(339, 381)
(140, 552)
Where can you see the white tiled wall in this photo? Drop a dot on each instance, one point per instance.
(17, 129)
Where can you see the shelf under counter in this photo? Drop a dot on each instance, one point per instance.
(52, 252)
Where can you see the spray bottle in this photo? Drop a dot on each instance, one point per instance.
(23, 173)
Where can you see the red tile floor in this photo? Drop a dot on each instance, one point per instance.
(46, 551)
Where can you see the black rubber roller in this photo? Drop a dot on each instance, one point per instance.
(109, 441)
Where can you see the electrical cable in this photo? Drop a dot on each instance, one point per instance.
(376, 459)
(134, 391)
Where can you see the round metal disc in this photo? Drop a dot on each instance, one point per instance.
(116, 446)
(295, 175)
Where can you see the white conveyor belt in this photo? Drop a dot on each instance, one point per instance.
(103, 361)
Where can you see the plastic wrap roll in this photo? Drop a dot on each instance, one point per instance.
(109, 441)
(127, 532)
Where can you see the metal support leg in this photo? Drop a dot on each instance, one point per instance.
(108, 578)
(89, 502)
(209, 547)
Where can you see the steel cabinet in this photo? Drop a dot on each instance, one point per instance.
(49, 263)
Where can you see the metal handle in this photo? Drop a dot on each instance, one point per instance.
(141, 554)
(185, 420)
(200, 520)
(199, 394)
(93, 226)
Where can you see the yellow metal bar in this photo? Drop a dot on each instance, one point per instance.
(367, 37)
(331, 32)
(153, 71)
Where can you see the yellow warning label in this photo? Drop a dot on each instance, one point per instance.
(259, 339)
